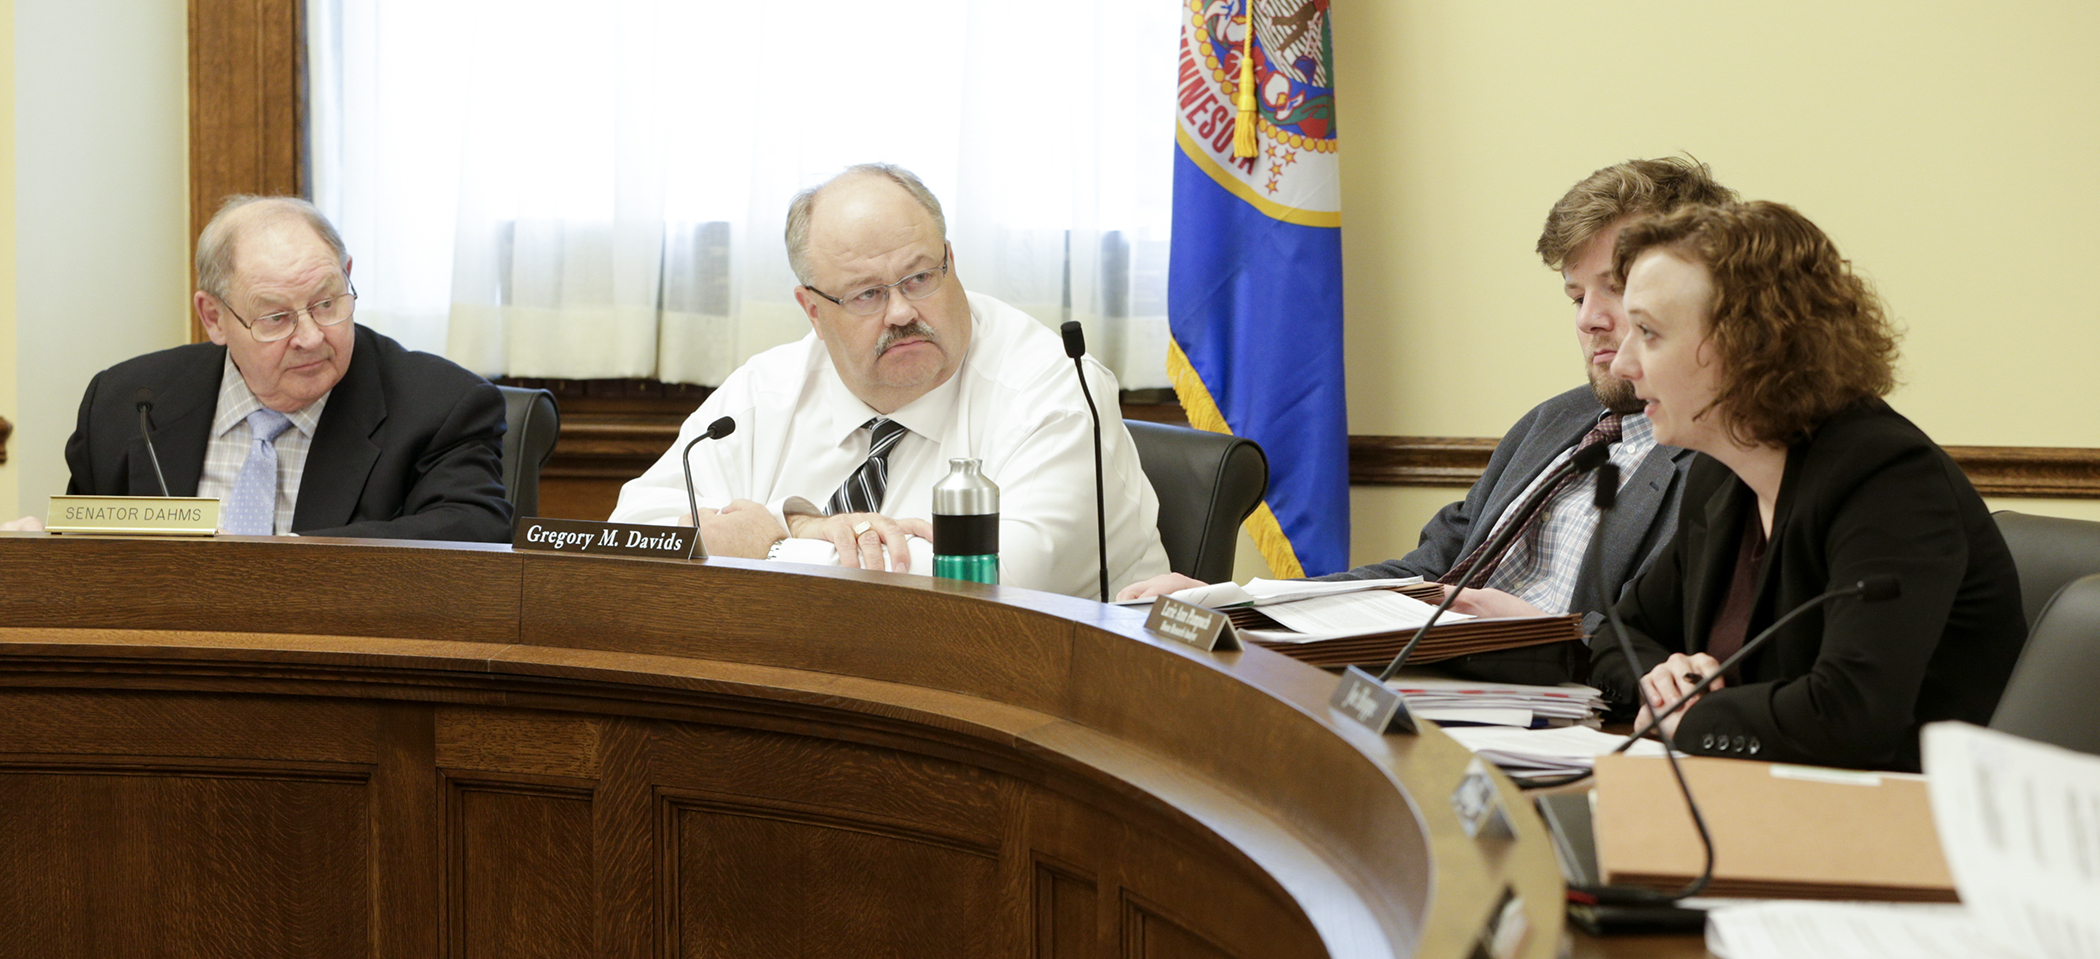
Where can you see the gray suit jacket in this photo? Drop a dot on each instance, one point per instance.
(1638, 530)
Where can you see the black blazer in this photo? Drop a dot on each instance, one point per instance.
(1850, 683)
(409, 446)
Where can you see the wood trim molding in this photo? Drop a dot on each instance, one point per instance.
(2041, 471)
(247, 106)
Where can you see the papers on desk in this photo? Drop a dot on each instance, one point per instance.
(2020, 824)
(1268, 592)
(1365, 622)
(1447, 701)
(1534, 753)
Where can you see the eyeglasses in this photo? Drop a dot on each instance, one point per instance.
(875, 299)
(271, 327)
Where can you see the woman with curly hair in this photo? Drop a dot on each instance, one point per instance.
(1754, 343)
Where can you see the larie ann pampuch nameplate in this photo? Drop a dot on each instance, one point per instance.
(605, 539)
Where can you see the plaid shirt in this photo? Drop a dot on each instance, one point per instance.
(230, 438)
(1541, 566)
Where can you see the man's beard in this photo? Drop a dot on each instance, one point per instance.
(1614, 394)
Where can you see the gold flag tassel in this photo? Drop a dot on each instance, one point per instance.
(1243, 128)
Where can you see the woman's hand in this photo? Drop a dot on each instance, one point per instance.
(1674, 677)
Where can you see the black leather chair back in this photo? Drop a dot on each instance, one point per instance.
(2049, 551)
(2054, 693)
(1208, 483)
(533, 423)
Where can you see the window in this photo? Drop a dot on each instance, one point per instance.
(586, 191)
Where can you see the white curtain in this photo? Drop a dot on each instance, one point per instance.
(555, 188)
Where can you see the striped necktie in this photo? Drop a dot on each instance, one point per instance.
(862, 492)
(1474, 570)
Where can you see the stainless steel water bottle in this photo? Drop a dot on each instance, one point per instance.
(966, 524)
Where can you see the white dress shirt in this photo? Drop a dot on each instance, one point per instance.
(1014, 404)
(231, 439)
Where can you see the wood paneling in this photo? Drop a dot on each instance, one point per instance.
(2048, 471)
(172, 862)
(247, 105)
(684, 759)
(520, 869)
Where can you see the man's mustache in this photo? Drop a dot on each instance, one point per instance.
(915, 329)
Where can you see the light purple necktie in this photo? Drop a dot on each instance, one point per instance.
(251, 510)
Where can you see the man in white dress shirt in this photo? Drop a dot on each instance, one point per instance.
(902, 371)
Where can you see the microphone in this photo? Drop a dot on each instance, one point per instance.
(144, 401)
(1075, 347)
(1585, 459)
(1607, 498)
(1873, 589)
(715, 430)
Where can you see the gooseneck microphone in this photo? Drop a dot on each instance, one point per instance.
(1585, 459)
(1872, 589)
(144, 401)
(1608, 497)
(1075, 347)
(715, 430)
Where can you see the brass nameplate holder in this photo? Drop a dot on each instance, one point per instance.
(1205, 629)
(134, 515)
(1361, 697)
(605, 539)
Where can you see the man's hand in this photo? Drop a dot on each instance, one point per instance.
(1674, 677)
(864, 540)
(743, 529)
(27, 524)
(1159, 585)
(1491, 603)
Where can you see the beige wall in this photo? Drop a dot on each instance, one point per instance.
(8, 375)
(100, 196)
(1949, 147)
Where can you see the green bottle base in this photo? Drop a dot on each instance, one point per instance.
(969, 569)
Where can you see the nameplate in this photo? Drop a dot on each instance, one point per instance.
(134, 515)
(1205, 629)
(603, 539)
(1479, 807)
(1361, 697)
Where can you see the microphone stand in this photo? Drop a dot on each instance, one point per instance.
(715, 430)
(1607, 498)
(1075, 347)
(1586, 459)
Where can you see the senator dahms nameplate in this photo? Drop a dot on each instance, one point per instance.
(606, 539)
(134, 515)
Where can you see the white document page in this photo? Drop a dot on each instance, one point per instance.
(1329, 617)
(1562, 747)
(1265, 592)
(2020, 824)
(1846, 930)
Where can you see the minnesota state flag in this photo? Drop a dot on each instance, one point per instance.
(1254, 283)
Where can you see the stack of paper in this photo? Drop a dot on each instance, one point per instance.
(1458, 701)
(1534, 753)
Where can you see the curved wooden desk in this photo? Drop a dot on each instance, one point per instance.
(277, 746)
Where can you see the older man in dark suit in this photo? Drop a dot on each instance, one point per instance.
(294, 416)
